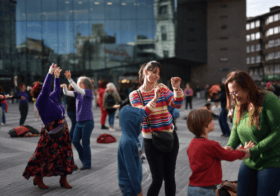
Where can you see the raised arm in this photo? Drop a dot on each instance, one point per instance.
(56, 90)
(74, 85)
(66, 92)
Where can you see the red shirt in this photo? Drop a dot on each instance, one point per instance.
(205, 161)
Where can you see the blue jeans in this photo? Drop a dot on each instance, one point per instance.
(258, 182)
(72, 116)
(3, 106)
(141, 141)
(198, 191)
(127, 190)
(82, 132)
(111, 118)
(223, 122)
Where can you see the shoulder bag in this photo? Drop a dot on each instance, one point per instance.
(162, 140)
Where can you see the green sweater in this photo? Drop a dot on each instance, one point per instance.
(266, 153)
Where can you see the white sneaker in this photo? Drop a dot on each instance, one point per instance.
(111, 129)
(2, 124)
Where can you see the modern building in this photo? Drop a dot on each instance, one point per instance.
(263, 45)
(212, 33)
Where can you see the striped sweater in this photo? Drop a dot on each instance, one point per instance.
(160, 118)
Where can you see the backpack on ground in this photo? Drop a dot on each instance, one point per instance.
(106, 138)
(24, 131)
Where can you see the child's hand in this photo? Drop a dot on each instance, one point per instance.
(246, 151)
(228, 148)
(249, 145)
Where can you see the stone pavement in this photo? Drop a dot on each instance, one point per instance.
(102, 179)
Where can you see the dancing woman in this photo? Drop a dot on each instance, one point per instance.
(84, 117)
(156, 99)
(53, 156)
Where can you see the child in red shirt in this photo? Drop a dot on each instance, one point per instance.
(205, 155)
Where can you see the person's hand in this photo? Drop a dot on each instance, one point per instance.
(175, 82)
(228, 148)
(52, 68)
(116, 106)
(249, 145)
(157, 94)
(15, 77)
(246, 151)
(28, 88)
(208, 100)
(141, 194)
(63, 86)
(22, 98)
(57, 72)
(68, 74)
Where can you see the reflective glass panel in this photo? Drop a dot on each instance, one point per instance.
(33, 10)
(49, 10)
(81, 9)
(96, 11)
(65, 10)
(112, 9)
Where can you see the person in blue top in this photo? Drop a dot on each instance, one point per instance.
(129, 164)
(84, 117)
(53, 155)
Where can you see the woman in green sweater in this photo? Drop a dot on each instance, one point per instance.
(256, 119)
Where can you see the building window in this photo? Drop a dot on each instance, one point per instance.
(247, 26)
(248, 49)
(252, 25)
(270, 19)
(257, 23)
(163, 33)
(248, 38)
(162, 10)
(253, 36)
(270, 31)
(275, 30)
(258, 59)
(276, 17)
(252, 48)
(224, 37)
(258, 35)
(224, 59)
(258, 47)
(252, 60)
(251, 72)
(277, 55)
(223, 6)
(261, 71)
(224, 27)
(165, 53)
(270, 44)
(248, 60)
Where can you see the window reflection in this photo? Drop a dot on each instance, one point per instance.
(49, 10)
(33, 10)
(81, 9)
(96, 10)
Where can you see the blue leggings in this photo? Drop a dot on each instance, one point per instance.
(258, 182)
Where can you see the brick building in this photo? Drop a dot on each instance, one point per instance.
(212, 32)
(263, 45)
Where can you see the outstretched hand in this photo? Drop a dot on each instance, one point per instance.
(67, 74)
(57, 72)
(63, 86)
(52, 68)
(175, 82)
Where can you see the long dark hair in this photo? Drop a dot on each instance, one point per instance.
(248, 85)
(152, 66)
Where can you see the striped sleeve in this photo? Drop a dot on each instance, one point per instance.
(136, 102)
(175, 99)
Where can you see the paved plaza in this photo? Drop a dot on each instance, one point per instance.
(102, 179)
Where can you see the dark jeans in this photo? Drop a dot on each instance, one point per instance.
(162, 167)
(127, 190)
(258, 182)
(223, 122)
(188, 102)
(3, 106)
(72, 116)
(23, 108)
(82, 132)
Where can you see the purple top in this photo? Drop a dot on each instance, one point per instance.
(24, 94)
(49, 108)
(83, 105)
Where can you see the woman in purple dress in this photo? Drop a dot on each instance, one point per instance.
(53, 155)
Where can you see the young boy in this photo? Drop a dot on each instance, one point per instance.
(129, 164)
(205, 155)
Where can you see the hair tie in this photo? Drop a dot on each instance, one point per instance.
(36, 87)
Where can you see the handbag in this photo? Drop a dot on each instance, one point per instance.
(58, 131)
(162, 140)
(227, 188)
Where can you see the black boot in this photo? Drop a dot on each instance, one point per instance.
(104, 127)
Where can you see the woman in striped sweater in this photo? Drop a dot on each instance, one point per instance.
(156, 99)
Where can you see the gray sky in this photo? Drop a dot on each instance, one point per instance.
(259, 7)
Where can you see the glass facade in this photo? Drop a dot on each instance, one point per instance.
(107, 39)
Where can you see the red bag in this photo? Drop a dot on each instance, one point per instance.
(106, 138)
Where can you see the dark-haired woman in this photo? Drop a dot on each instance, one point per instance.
(53, 156)
(84, 117)
(71, 110)
(256, 119)
(23, 102)
(156, 99)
